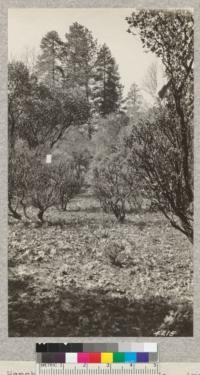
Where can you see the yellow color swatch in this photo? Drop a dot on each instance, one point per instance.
(106, 357)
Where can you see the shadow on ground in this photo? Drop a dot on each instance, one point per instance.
(79, 313)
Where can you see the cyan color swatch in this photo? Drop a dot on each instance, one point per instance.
(131, 357)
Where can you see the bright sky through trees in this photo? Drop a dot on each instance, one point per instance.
(27, 26)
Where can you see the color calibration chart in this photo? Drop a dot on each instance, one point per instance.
(97, 358)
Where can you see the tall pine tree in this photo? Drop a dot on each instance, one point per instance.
(79, 58)
(49, 68)
(107, 90)
(133, 101)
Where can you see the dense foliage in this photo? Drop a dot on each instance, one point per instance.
(77, 83)
(169, 136)
(96, 229)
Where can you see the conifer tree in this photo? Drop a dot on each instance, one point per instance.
(133, 101)
(49, 68)
(79, 57)
(107, 88)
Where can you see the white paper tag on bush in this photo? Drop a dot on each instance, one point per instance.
(48, 159)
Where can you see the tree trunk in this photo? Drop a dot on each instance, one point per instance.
(41, 216)
(24, 206)
(185, 145)
(121, 217)
(14, 213)
(119, 213)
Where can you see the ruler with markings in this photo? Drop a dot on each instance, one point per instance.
(170, 368)
(93, 369)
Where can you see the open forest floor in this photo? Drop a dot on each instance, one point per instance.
(84, 274)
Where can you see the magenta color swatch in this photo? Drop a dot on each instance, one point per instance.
(83, 357)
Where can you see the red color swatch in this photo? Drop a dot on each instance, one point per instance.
(94, 357)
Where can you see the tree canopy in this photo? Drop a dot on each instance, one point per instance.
(169, 34)
(77, 85)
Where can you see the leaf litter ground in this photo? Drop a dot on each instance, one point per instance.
(83, 274)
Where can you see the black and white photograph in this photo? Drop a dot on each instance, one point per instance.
(100, 172)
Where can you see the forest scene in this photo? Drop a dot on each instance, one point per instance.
(100, 184)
